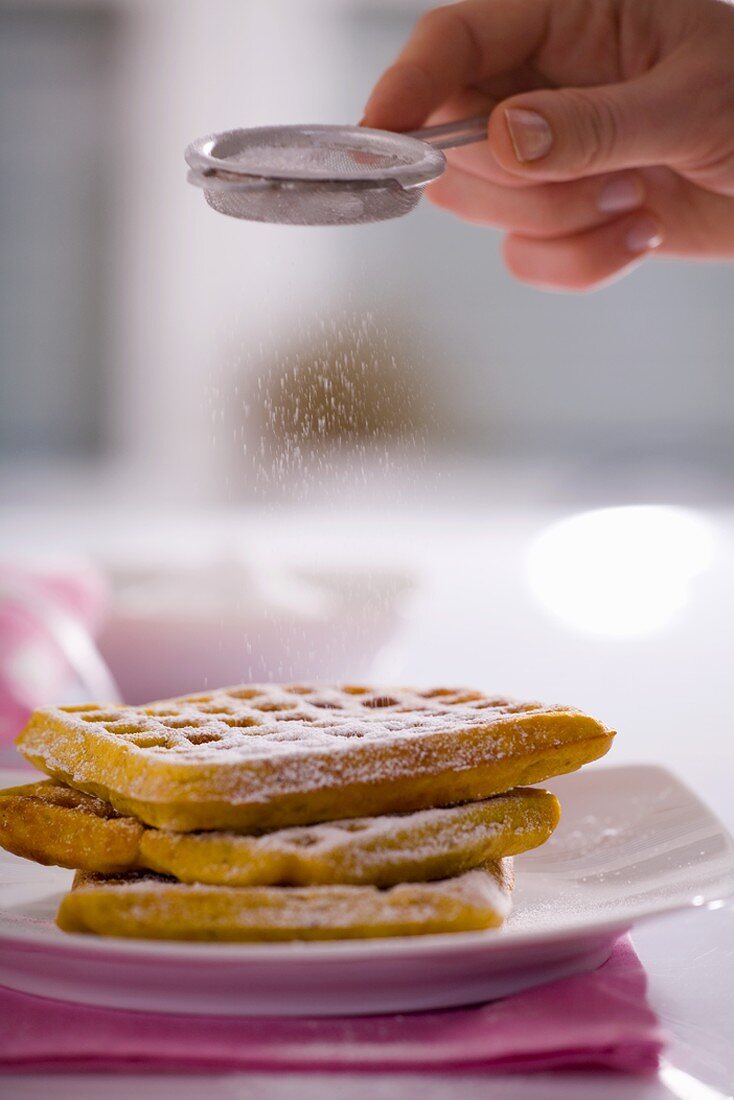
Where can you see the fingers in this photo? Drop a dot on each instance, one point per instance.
(477, 158)
(452, 47)
(696, 222)
(569, 235)
(570, 132)
(584, 261)
(544, 210)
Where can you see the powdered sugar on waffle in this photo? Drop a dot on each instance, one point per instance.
(257, 742)
(162, 900)
(424, 844)
(413, 836)
(270, 720)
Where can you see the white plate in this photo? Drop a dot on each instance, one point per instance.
(633, 843)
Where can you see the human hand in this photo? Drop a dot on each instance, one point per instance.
(611, 131)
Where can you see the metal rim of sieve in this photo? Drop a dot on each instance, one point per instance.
(214, 164)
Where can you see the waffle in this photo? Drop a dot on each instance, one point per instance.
(53, 824)
(147, 906)
(266, 756)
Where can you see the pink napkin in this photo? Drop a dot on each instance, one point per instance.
(34, 671)
(600, 1019)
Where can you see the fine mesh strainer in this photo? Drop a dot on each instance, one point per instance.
(323, 175)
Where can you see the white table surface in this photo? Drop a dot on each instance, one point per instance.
(475, 621)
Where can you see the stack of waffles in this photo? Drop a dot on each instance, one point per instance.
(280, 812)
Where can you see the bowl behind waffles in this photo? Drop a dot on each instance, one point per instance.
(277, 812)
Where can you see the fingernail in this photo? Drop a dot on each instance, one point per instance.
(530, 134)
(643, 235)
(620, 193)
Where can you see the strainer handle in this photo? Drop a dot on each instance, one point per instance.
(450, 135)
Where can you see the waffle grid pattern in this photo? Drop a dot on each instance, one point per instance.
(269, 719)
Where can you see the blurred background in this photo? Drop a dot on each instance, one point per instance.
(233, 451)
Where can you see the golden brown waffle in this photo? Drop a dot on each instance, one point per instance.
(146, 906)
(265, 756)
(54, 824)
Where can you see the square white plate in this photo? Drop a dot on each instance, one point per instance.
(633, 843)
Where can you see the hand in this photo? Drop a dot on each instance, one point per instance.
(611, 131)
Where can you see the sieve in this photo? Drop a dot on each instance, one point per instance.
(323, 175)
